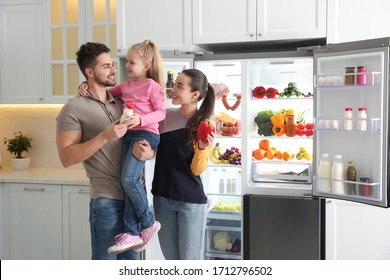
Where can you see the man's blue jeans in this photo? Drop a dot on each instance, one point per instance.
(106, 221)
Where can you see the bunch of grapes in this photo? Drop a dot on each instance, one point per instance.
(233, 155)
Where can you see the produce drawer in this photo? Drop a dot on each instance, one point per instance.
(282, 172)
(223, 237)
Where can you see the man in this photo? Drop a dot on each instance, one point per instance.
(88, 131)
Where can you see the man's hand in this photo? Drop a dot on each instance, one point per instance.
(142, 150)
(115, 131)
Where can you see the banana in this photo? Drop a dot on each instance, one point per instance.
(215, 153)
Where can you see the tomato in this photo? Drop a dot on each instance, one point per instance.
(301, 126)
(300, 132)
(309, 132)
(309, 126)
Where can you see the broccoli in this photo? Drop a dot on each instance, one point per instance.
(263, 121)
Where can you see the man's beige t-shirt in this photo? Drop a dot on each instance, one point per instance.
(92, 117)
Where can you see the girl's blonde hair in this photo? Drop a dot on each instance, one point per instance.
(150, 53)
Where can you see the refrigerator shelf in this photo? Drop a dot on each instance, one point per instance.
(224, 215)
(326, 81)
(223, 256)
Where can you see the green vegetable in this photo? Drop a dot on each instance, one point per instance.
(265, 129)
(263, 121)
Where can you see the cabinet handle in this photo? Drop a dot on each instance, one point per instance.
(259, 34)
(251, 35)
(34, 189)
(84, 191)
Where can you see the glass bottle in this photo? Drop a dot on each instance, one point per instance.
(170, 84)
(324, 173)
(338, 175)
(361, 76)
(351, 176)
(349, 76)
(291, 129)
(348, 122)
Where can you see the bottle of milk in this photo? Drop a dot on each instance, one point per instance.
(324, 174)
(127, 112)
(337, 175)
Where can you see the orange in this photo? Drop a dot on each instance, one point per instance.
(259, 154)
(287, 155)
(265, 144)
(278, 154)
(270, 154)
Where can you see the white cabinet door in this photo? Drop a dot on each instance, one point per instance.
(352, 20)
(167, 23)
(224, 21)
(356, 231)
(297, 19)
(233, 21)
(35, 222)
(77, 237)
(21, 54)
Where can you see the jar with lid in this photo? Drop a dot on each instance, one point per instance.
(338, 175)
(365, 188)
(351, 176)
(349, 76)
(361, 119)
(361, 76)
(170, 84)
(291, 129)
(348, 122)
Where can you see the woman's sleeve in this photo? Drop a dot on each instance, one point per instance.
(200, 160)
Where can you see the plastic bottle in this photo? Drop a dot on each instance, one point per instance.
(324, 174)
(127, 112)
(349, 76)
(351, 176)
(170, 84)
(361, 119)
(338, 175)
(348, 116)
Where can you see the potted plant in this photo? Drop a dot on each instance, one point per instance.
(16, 146)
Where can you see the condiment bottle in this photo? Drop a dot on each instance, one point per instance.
(170, 84)
(361, 119)
(351, 176)
(365, 189)
(348, 123)
(324, 173)
(127, 112)
(291, 129)
(349, 76)
(361, 77)
(338, 175)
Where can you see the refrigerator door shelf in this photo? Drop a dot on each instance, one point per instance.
(337, 80)
(280, 172)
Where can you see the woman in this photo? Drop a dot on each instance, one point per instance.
(180, 203)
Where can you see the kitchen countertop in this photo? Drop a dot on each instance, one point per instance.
(61, 176)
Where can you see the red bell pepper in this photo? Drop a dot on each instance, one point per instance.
(259, 92)
(205, 128)
(272, 92)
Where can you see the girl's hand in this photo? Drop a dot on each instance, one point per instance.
(83, 89)
(210, 139)
(134, 120)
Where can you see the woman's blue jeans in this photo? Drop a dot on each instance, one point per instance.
(106, 221)
(137, 212)
(182, 230)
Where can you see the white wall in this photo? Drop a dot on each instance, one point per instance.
(39, 122)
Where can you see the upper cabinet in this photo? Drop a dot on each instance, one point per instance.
(353, 20)
(231, 21)
(21, 54)
(167, 23)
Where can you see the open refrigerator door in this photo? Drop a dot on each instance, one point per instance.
(355, 76)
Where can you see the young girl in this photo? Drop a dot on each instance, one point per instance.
(144, 90)
(180, 203)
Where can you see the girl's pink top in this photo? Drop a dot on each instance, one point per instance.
(148, 99)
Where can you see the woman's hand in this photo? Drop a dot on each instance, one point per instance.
(83, 89)
(210, 139)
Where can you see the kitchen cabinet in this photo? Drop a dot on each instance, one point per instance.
(355, 231)
(22, 72)
(45, 222)
(230, 21)
(168, 24)
(352, 20)
(76, 231)
(35, 228)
